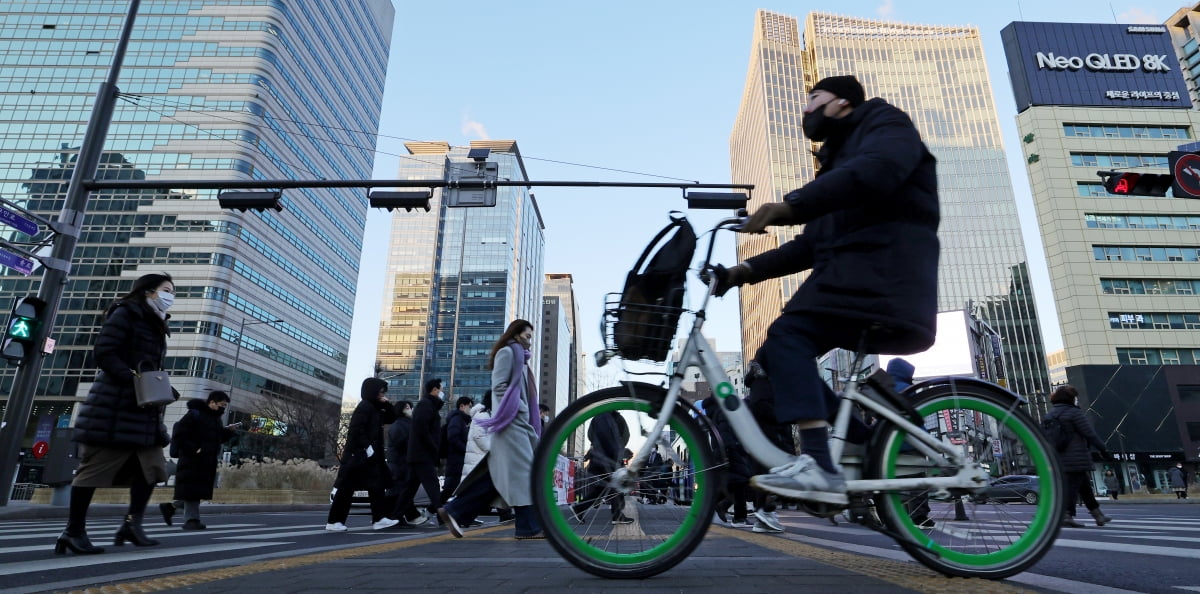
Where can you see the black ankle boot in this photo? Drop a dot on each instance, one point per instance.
(78, 543)
(131, 530)
(168, 510)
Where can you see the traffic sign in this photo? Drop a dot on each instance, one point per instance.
(1185, 171)
(18, 222)
(11, 260)
(39, 449)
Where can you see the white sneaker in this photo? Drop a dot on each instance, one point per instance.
(385, 523)
(718, 521)
(421, 520)
(803, 479)
(336, 527)
(770, 519)
(761, 526)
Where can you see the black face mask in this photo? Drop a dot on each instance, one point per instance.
(816, 124)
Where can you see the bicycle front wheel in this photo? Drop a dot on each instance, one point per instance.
(627, 526)
(978, 532)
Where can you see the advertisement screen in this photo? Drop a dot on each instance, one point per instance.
(1093, 65)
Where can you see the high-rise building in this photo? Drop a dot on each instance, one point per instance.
(554, 385)
(210, 89)
(562, 286)
(936, 74)
(434, 326)
(1124, 269)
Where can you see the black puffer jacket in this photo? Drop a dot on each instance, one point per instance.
(425, 435)
(1077, 456)
(110, 416)
(870, 237)
(358, 470)
(197, 442)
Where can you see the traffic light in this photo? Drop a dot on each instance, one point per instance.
(250, 200)
(1126, 183)
(405, 200)
(716, 200)
(22, 328)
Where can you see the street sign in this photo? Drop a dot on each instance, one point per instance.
(11, 260)
(18, 222)
(1185, 167)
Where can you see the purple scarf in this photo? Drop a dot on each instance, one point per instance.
(506, 411)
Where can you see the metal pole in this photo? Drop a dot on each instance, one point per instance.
(462, 254)
(58, 265)
(237, 356)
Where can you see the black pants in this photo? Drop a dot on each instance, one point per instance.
(1078, 485)
(339, 510)
(454, 468)
(400, 480)
(421, 474)
(597, 491)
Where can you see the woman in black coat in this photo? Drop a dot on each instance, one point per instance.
(363, 462)
(120, 442)
(196, 442)
(1076, 457)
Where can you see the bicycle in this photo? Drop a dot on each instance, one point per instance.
(931, 452)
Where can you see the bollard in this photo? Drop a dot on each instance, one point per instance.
(61, 495)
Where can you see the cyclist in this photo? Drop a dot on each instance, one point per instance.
(870, 241)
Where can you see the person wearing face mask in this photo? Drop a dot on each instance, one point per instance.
(515, 427)
(870, 243)
(423, 447)
(196, 440)
(121, 443)
(364, 465)
(397, 460)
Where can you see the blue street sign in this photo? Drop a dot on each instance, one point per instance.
(11, 260)
(18, 222)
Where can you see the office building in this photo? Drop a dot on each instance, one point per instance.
(562, 286)
(210, 89)
(554, 384)
(432, 325)
(936, 74)
(1124, 270)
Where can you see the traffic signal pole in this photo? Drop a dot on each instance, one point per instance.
(58, 265)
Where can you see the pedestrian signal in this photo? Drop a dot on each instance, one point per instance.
(1126, 183)
(22, 329)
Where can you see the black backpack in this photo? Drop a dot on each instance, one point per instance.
(652, 300)
(1056, 432)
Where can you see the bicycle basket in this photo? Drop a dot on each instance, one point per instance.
(641, 321)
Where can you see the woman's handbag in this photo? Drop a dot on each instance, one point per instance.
(153, 388)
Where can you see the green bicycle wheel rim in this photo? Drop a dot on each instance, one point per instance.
(562, 527)
(1045, 504)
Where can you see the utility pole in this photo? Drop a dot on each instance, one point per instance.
(58, 265)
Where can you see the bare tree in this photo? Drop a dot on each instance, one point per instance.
(308, 426)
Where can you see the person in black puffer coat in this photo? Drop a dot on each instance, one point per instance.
(1076, 458)
(397, 460)
(364, 465)
(739, 470)
(120, 442)
(196, 441)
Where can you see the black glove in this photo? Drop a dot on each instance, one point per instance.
(728, 278)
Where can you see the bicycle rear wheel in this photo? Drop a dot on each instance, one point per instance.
(652, 537)
(973, 533)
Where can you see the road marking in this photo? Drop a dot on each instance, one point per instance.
(1125, 547)
(72, 560)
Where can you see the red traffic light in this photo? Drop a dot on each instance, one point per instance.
(1125, 183)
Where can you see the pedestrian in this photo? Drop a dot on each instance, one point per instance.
(1076, 458)
(915, 502)
(869, 240)
(737, 469)
(1112, 484)
(364, 464)
(422, 454)
(479, 442)
(397, 453)
(545, 412)
(515, 427)
(121, 443)
(1178, 480)
(761, 402)
(608, 435)
(196, 442)
(458, 424)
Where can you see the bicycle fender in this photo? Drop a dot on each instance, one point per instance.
(659, 395)
(951, 380)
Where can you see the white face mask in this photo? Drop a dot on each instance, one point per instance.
(165, 300)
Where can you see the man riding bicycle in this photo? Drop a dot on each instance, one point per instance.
(870, 240)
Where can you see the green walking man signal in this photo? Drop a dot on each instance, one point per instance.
(23, 325)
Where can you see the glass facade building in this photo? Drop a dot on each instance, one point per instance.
(432, 325)
(210, 89)
(936, 74)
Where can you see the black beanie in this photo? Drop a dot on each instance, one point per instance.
(371, 387)
(847, 87)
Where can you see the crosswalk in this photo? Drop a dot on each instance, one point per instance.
(28, 564)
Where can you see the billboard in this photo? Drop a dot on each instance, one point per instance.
(951, 353)
(1090, 64)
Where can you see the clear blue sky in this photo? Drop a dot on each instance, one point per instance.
(649, 87)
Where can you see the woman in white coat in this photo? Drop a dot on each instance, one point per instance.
(514, 428)
(479, 440)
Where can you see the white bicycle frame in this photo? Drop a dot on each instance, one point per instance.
(961, 473)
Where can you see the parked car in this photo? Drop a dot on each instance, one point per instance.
(1014, 487)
